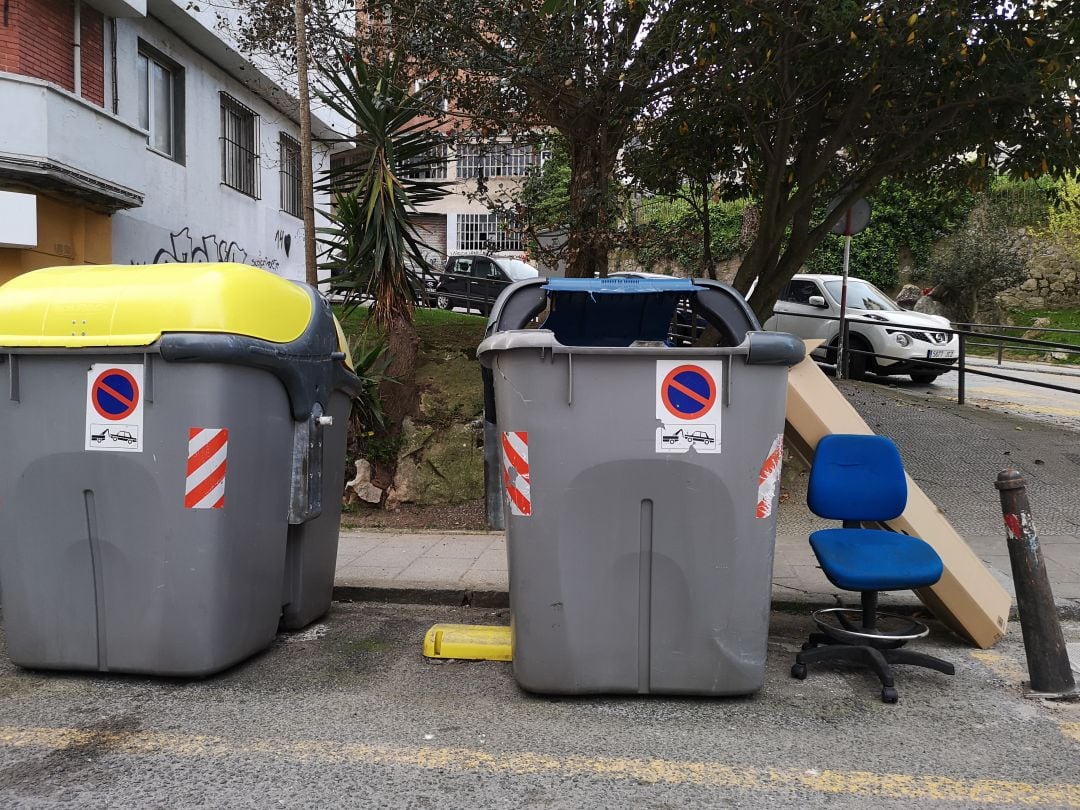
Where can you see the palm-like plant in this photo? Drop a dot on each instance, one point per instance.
(370, 242)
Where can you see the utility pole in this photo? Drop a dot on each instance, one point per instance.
(311, 273)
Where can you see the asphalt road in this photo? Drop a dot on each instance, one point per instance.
(1046, 404)
(349, 714)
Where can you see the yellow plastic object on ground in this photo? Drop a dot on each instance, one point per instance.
(475, 642)
(133, 305)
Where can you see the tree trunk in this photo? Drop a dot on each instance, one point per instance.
(398, 393)
(592, 169)
(307, 191)
(706, 231)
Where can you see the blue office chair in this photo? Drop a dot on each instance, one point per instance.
(860, 479)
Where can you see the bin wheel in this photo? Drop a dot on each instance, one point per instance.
(888, 694)
(809, 645)
(798, 671)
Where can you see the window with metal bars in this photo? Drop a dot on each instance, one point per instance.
(239, 146)
(494, 160)
(486, 233)
(431, 166)
(290, 173)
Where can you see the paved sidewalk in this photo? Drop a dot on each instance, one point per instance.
(428, 561)
(471, 568)
(953, 452)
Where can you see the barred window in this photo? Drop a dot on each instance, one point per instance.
(431, 166)
(290, 173)
(494, 160)
(486, 233)
(239, 146)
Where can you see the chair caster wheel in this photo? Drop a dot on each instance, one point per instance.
(888, 694)
(798, 671)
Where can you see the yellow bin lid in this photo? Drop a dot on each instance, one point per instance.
(133, 305)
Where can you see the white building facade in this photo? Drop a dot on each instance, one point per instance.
(179, 150)
(462, 222)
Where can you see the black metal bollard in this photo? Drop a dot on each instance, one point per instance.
(1044, 644)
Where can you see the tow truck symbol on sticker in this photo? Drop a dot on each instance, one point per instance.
(679, 439)
(113, 434)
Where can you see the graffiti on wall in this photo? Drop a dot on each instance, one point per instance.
(210, 249)
(283, 241)
(184, 248)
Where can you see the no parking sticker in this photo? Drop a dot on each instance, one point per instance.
(114, 408)
(688, 406)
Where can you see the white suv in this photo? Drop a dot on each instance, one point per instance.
(809, 306)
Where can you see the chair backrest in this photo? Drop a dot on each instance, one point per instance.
(857, 478)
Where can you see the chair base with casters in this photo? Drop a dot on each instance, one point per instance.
(866, 643)
(860, 479)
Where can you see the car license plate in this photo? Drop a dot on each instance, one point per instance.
(937, 354)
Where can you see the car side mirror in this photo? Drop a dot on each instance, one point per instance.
(817, 301)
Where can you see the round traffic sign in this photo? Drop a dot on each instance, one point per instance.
(854, 220)
(688, 392)
(115, 394)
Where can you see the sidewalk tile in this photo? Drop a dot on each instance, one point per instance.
(359, 545)
(366, 574)
(459, 547)
(491, 560)
(446, 570)
(485, 580)
(387, 555)
(1066, 590)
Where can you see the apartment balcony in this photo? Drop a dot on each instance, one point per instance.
(51, 141)
(119, 8)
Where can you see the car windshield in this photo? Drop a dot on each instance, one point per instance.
(518, 270)
(862, 295)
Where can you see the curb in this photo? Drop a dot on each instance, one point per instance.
(1067, 610)
(454, 597)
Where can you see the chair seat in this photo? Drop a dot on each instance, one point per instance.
(875, 560)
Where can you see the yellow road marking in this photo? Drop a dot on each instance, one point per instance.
(656, 771)
(1003, 667)
(1071, 730)
(1008, 398)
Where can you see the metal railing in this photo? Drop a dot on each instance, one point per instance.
(999, 341)
(965, 337)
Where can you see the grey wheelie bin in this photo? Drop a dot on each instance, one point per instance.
(640, 477)
(173, 452)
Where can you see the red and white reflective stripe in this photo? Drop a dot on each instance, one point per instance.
(208, 449)
(515, 448)
(769, 477)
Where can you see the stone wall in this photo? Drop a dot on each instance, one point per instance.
(1053, 270)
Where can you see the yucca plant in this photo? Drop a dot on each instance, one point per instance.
(370, 242)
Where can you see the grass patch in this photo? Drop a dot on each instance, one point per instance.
(1059, 319)
(441, 333)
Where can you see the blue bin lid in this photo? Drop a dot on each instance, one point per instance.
(622, 285)
(613, 311)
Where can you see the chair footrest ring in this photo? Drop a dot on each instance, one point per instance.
(897, 630)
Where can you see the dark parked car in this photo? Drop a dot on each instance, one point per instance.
(474, 282)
